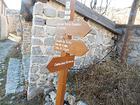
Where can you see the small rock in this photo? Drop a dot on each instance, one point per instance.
(10, 102)
(55, 81)
(48, 90)
(53, 96)
(81, 103)
(0, 83)
(13, 97)
(1, 79)
(49, 103)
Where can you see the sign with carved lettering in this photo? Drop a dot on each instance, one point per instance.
(74, 47)
(61, 63)
(77, 27)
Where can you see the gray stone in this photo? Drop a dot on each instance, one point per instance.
(13, 75)
(43, 69)
(39, 21)
(71, 99)
(34, 77)
(34, 68)
(27, 38)
(7, 47)
(133, 53)
(26, 48)
(48, 90)
(137, 32)
(40, 59)
(50, 31)
(38, 8)
(32, 92)
(55, 79)
(49, 51)
(49, 41)
(54, 22)
(1, 79)
(3, 28)
(61, 14)
(36, 51)
(26, 65)
(91, 38)
(37, 41)
(93, 31)
(53, 96)
(0, 83)
(50, 11)
(81, 103)
(13, 97)
(38, 31)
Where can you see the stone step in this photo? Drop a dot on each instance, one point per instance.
(7, 47)
(14, 82)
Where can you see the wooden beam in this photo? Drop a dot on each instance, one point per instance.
(92, 15)
(128, 34)
(125, 26)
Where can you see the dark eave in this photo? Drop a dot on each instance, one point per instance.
(94, 16)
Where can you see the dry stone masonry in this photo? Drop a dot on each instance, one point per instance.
(44, 33)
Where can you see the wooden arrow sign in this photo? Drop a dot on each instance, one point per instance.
(61, 63)
(75, 47)
(77, 27)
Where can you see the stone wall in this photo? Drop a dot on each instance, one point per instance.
(44, 32)
(14, 21)
(134, 45)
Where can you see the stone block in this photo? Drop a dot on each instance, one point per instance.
(93, 31)
(34, 68)
(36, 51)
(137, 32)
(13, 75)
(49, 51)
(40, 59)
(26, 48)
(38, 31)
(54, 22)
(3, 28)
(133, 53)
(37, 41)
(34, 77)
(49, 41)
(26, 38)
(50, 11)
(38, 8)
(61, 14)
(50, 30)
(39, 21)
(43, 69)
(81, 103)
(91, 38)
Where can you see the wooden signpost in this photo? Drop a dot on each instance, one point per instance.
(69, 49)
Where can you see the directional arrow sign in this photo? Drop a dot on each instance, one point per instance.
(61, 63)
(76, 27)
(75, 47)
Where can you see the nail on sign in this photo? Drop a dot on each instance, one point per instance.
(75, 47)
(61, 63)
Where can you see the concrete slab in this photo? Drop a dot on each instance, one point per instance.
(6, 48)
(13, 76)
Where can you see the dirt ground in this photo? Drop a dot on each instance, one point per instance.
(109, 83)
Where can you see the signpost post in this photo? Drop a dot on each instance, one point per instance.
(69, 49)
